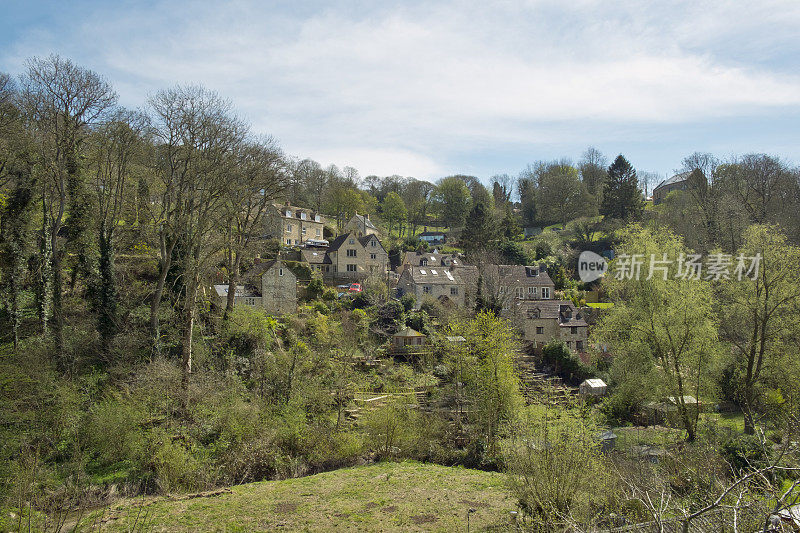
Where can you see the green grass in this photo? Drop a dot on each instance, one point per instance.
(406, 496)
(601, 305)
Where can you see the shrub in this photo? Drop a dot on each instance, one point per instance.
(315, 289)
(745, 452)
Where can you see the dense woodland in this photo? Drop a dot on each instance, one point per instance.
(117, 376)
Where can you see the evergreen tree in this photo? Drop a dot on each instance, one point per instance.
(480, 230)
(621, 196)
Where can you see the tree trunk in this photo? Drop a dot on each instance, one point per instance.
(107, 298)
(57, 324)
(232, 282)
(158, 293)
(188, 325)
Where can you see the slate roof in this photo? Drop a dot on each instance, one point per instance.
(364, 221)
(316, 257)
(553, 309)
(433, 276)
(677, 178)
(526, 275)
(434, 259)
(241, 291)
(337, 243)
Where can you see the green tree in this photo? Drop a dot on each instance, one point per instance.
(393, 211)
(560, 196)
(485, 365)
(621, 196)
(662, 321)
(480, 230)
(452, 199)
(759, 317)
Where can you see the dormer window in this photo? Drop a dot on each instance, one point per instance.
(288, 213)
(302, 216)
(317, 218)
(423, 262)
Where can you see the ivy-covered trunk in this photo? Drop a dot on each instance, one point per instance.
(106, 292)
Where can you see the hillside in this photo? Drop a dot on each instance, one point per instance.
(406, 496)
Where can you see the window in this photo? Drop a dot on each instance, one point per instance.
(352, 241)
(569, 344)
(422, 272)
(317, 218)
(288, 212)
(302, 216)
(573, 330)
(351, 268)
(288, 228)
(426, 289)
(374, 243)
(502, 290)
(318, 232)
(351, 253)
(453, 291)
(579, 345)
(520, 294)
(303, 231)
(373, 256)
(423, 262)
(289, 241)
(540, 330)
(545, 293)
(280, 272)
(250, 301)
(434, 273)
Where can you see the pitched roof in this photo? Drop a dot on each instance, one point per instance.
(337, 243)
(363, 221)
(241, 291)
(316, 257)
(408, 332)
(260, 268)
(562, 310)
(526, 275)
(414, 258)
(433, 275)
(431, 233)
(677, 178)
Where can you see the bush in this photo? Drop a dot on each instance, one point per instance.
(315, 289)
(565, 363)
(745, 452)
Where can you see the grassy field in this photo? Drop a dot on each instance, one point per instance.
(405, 496)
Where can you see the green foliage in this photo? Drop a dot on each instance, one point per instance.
(452, 200)
(565, 363)
(745, 452)
(408, 302)
(485, 365)
(556, 469)
(315, 288)
(621, 196)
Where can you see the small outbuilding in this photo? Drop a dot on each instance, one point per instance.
(408, 337)
(607, 440)
(592, 387)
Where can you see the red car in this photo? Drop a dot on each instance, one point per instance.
(355, 287)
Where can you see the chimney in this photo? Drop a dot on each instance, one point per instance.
(287, 203)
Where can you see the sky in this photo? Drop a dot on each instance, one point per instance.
(428, 89)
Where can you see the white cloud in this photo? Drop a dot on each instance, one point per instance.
(409, 85)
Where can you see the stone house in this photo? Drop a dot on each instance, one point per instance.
(439, 283)
(361, 226)
(354, 257)
(678, 182)
(512, 283)
(293, 225)
(270, 286)
(541, 321)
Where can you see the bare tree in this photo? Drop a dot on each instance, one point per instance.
(197, 135)
(259, 178)
(62, 101)
(112, 154)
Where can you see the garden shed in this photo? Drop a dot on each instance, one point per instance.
(408, 337)
(592, 387)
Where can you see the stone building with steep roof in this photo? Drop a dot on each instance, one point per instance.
(292, 225)
(361, 225)
(541, 321)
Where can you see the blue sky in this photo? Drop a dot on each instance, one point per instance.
(428, 89)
